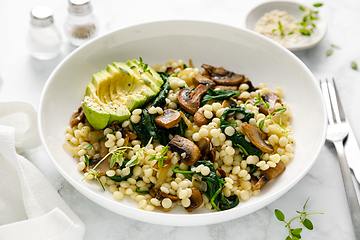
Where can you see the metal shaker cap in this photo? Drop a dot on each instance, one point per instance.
(80, 7)
(41, 16)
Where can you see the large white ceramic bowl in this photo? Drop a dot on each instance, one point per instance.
(236, 49)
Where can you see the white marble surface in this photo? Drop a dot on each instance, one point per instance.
(24, 78)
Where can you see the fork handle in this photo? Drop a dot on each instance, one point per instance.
(351, 196)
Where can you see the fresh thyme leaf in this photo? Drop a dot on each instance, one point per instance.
(354, 66)
(145, 80)
(86, 160)
(100, 183)
(88, 146)
(113, 160)
(308, 224)
(329, 52)
(164, 150)
(101, 138)
(152, 158)
(302, 8)
(317, 4)
(280, 110)
(132, 162)
(279, 215)
(261, 124)
(305, 31)
(335, 46)
(132, 67)
(296, 231)
(160, 162)
(290, 33)
(124, 71)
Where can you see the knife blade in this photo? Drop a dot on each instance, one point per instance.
(352, 152)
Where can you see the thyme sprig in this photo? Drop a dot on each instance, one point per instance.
(280, 28)
(295, 233)
(160, 157)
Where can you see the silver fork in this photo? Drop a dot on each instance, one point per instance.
(337, 132)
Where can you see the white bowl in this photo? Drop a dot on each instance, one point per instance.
(291, 8)
(236, 49)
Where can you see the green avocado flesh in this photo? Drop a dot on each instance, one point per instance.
(113, 93)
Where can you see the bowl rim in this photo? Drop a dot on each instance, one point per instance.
(166, 218)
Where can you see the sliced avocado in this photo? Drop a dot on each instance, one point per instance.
(113, 93)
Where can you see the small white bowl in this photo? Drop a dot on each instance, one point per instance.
(291, 8)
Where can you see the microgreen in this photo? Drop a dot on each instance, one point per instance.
(144, 66)
(307, 25)
(331, 50)
(101, 138)
(280, 28)
(354, 66)
(117, 157)
(266, 105)
(160, 157)
(295, 233)
(88, 146)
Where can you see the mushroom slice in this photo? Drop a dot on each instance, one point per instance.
(222, 76)
(204, 145)
(160, 195)
(103, 167)
(200, 119)
(183, 145)
(77, 117)
(223, 87)
(251, 86)
(269, 174)
(168, 119)
(195, 199)
(170, 70)
(253, 133)
(190, 100)
(127, 133)
(200, 79)
(227, 103)
(272, 98)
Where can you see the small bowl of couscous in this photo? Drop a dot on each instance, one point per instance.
(181, 132)
(294, 25)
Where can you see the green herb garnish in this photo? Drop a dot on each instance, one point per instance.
(354, 66)
(88, 146)
(294, 233)
(160, 157)
(306, 25)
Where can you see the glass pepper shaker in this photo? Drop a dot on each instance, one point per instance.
(43, 40)
(81, 24)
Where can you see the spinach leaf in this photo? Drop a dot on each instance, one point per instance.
(237, 138)
(124, 178)
(215, 185)
(217, 94)
(161, 96)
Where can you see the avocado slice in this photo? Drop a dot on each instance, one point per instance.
(113, 93)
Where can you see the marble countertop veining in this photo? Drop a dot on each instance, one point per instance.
(24, 78)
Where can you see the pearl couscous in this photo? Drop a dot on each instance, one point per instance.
(158, 176)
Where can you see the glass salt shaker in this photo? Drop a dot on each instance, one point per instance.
(43, 40)
(81, 24)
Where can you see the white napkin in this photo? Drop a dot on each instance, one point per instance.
(30, 208)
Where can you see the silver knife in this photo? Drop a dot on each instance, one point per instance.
(352, 152)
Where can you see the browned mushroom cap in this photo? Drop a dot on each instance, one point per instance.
(253, 133)
(127, 133)
(269, 174)
(205, 147)
(190, 100)
(227, 103)
(200, 119)
(183, 145)
(170, 70)
(160, 195)
(251, 86)
(222, 76)
(272, 98)
(223, 87)
(77, 117)
(168, 119)
(195, 199)
(200, 79)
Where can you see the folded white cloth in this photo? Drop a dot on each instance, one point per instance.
(30, 208)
